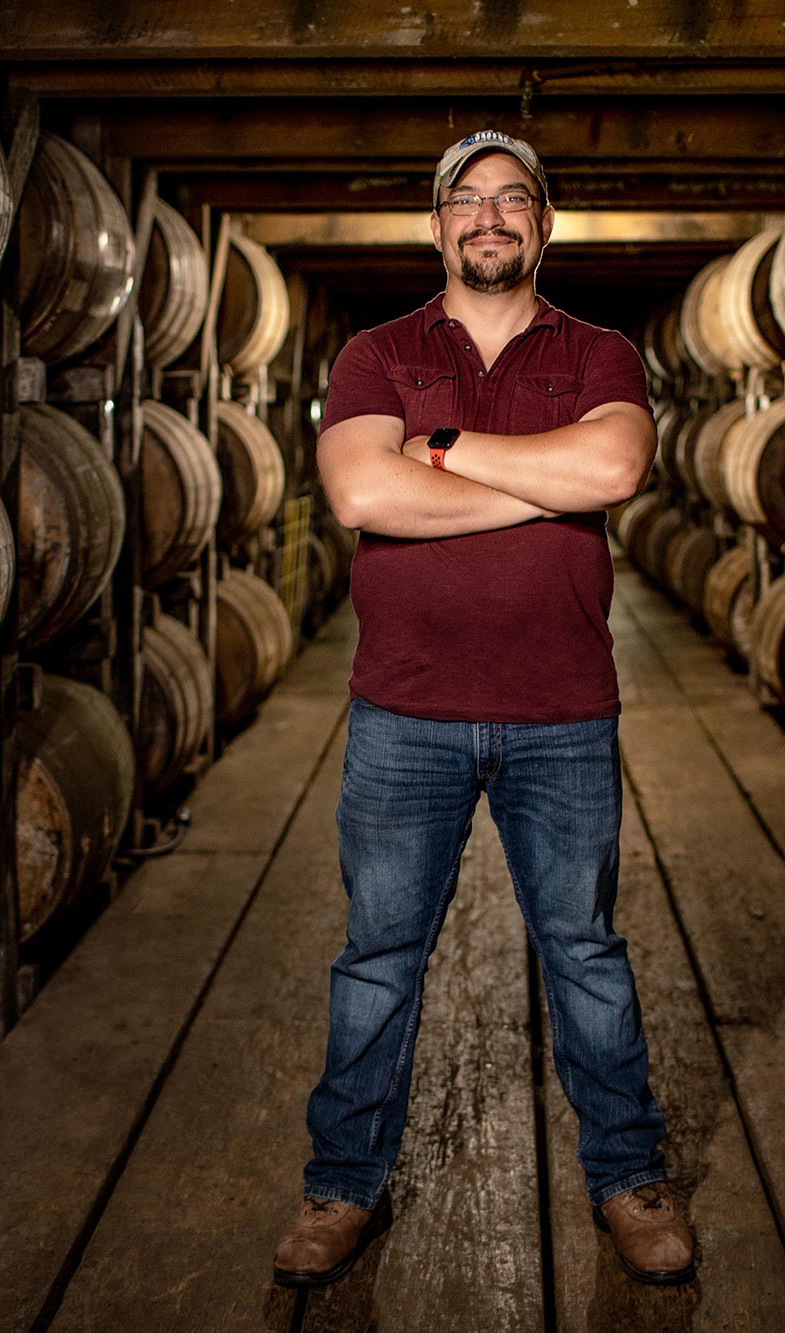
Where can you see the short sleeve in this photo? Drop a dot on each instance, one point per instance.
(359, 386)
(613, 373)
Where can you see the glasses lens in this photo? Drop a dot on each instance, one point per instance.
(513, 201)
(464, 204)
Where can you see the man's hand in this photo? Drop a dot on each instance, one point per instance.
(417, 447)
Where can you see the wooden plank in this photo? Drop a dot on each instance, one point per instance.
(80, 1066)
(748, 738)
(196, 29)
(144, 229)
(741, 1278)
(188, 1237)
(726, 878)
(217, 276)
(359, 129)
(389, 77)
(611, 227)
(271, 191)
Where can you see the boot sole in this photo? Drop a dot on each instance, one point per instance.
(286, 1277)
(653, 1278)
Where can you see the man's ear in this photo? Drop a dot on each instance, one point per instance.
(548, 219)
(436, 230)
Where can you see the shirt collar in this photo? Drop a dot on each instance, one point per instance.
(546, 314)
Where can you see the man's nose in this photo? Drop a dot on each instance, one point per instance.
(488, 209)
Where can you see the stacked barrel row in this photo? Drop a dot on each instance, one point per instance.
(77, 760)
(713, 529)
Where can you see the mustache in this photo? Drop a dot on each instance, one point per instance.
(489, 231)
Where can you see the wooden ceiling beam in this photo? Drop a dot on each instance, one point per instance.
(319, 29)
(352, 131)
(397, 78)
(577, 187)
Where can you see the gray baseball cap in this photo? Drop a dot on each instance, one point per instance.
(485, 141)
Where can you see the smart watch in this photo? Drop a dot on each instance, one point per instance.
(442, 439)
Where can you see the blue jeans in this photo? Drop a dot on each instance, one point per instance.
(408, 793)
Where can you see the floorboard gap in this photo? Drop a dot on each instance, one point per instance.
(537, 1038)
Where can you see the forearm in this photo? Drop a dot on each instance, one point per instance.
(588, 465)
(400, 497)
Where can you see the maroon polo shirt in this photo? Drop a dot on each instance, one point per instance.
(505, 626)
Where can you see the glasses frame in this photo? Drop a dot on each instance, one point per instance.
(483, 198)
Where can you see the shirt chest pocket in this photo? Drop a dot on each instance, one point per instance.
(542, 402)
(428, 397)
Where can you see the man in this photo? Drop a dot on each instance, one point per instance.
(476, 444)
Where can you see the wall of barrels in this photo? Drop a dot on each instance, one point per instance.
(711, 528)
(163, 546)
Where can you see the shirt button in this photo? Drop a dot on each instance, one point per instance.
(418, 383)
(480, 373)
(467, 347)
(452, 323)
(550, 388)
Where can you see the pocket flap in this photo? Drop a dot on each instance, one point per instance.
(419, 377)
(551, 385)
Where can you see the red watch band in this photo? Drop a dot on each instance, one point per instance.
(437, 459)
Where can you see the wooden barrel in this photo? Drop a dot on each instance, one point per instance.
(669, 425)
(74, 789)
(341, 542)
(714, 437)
(754, 469)
(254, 643)
(768, 637)
(744, 301)
(252, 473)
(76, 253)
(71, 522)
(654, 546)
(703, 329)
(777, 283)
(7, 560)
(177, 701)
(253, 318)
(6, 204)
(685, 445)
(727, 599)
(662, 342)
(690, 556)
(174, 289)
(639, 514)
(181, 488)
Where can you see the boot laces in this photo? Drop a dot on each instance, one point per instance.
(651, 1197)
(321, 1205)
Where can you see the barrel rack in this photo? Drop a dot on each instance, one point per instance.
(104, 389)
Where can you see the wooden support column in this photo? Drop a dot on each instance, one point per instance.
(20, 135)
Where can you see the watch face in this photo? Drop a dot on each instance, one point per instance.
(443, 437)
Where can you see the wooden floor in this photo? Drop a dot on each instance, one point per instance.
(153, 1098)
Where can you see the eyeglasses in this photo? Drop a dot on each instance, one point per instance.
(509, 201)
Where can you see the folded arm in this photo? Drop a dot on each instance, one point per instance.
(371, 485)
(596, 462)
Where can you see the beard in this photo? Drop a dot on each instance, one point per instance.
(487, 273)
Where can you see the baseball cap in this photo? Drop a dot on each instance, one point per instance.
(485, 141)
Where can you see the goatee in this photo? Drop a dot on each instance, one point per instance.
(492, 278)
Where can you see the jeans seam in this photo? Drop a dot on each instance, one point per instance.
(406, 1040)
(552, 1006)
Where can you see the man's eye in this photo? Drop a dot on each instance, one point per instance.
(463, 199)
(514, 198)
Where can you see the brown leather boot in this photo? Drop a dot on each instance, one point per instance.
(326, 1239)
(651, 1237)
